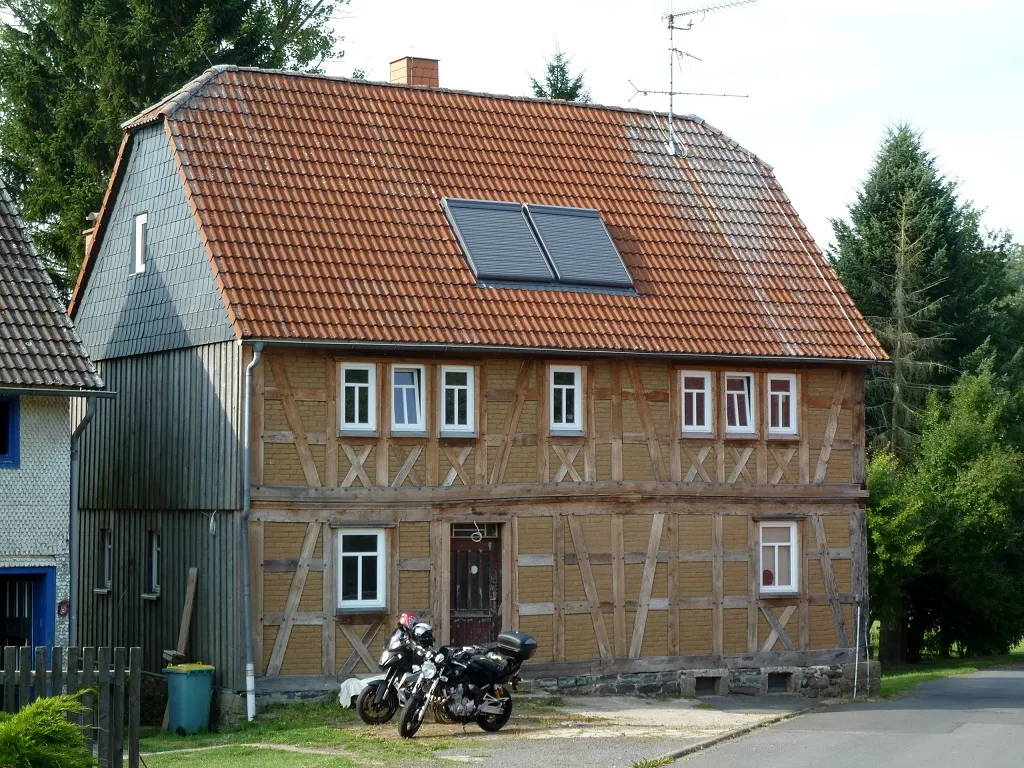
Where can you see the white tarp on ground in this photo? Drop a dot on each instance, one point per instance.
(351, 688)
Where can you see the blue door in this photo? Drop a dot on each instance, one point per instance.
(28, 606)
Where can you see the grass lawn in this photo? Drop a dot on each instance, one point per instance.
(899, 680)
(251, 757)
(318, 725)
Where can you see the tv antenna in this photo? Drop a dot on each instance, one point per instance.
(673, 53)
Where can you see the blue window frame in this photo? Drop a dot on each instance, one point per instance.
(10, 433)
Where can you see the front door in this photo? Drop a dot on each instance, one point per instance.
(475, 583)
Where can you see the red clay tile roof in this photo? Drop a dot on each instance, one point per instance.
(39, 347)
(319, 200)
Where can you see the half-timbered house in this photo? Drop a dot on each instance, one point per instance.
(511, 364)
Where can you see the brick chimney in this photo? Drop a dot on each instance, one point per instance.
(415, 71)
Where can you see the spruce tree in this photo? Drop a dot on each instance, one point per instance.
(559, 83)
(952, 278)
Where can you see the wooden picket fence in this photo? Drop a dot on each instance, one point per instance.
(110, 680)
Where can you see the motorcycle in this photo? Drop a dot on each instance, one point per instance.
(469, 683)
(410, 643)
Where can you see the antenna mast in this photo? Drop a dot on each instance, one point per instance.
(672, 52)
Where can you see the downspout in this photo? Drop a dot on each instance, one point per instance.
(250, 669)
(90, 411)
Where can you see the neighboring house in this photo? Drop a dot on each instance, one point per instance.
(515, 366)
(42, 366)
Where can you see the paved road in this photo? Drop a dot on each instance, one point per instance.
(970, 720)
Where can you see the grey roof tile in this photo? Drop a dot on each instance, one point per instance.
(39, 347)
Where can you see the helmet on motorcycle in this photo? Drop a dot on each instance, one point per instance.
(408, 620)
(423, 633)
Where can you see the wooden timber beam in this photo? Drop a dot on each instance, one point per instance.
(829, 578)
(291, 605)
(644, 409)
(646, 586)
(830, 428)
(291, 412)
(512, 423)
(590, 588)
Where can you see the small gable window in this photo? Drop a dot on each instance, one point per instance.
(407, 398)
(10, 433)
(457, 399)
(782, 404)
(696, 401)
(739, 403)
(141, 224)
(566, 385)
(153, 564)
(358, 397)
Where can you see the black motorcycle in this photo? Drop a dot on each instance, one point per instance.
(469, 683)
(407, 648)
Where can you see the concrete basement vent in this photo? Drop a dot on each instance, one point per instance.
(707, 686)
(778, 682)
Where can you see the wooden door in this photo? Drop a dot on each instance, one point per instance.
(475, 584)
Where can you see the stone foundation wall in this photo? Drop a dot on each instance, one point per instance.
(831, 681)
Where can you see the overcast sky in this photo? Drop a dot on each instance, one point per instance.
(824, 78)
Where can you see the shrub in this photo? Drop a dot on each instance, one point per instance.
(40, 736)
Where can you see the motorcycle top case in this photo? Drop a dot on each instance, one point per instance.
(517, 644)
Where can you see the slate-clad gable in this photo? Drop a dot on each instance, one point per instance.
(175, 303)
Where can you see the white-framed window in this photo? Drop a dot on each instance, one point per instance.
(105, 574)
(739, 403)
(457, 399)
(782, 404)
(153, 563)
(566, 398)
(407, 398)
(696, 392)
(362, 569)
(141, 224)
(779, 556)
(358, 397)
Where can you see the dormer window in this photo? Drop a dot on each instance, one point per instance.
(141, 223)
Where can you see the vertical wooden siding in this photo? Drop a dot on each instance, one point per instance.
(125, 617)
(171, 439)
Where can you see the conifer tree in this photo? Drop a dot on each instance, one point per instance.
(559, 83)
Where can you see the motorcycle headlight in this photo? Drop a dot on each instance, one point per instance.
(428, 670)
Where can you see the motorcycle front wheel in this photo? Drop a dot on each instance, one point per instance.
(412, 715)
(366, 705)
(492, 723)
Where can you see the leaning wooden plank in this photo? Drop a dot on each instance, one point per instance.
(673, 585)
(331, 421)
(178, 654)
(829, 578)
(291, 412)
(831, 427)
(329, 604)
(646, 586)
(858, 467)
(590, 587)
(294, 597)
(753, 583)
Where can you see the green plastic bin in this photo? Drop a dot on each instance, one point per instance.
(189, 693)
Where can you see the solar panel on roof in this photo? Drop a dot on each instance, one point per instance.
(497, 240)
(579, 246)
